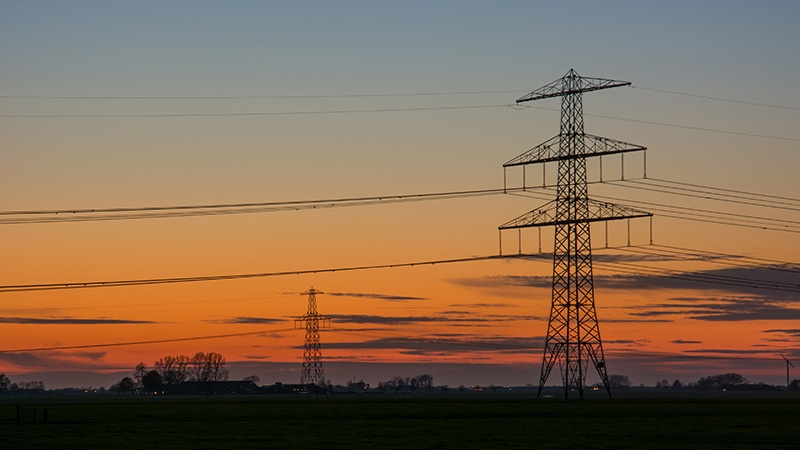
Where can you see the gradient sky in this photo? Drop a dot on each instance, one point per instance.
(467, 323)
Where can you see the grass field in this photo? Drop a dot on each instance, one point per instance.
(395, 421)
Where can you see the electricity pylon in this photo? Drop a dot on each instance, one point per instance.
(573, 335)
(788, 363)
(312, 321)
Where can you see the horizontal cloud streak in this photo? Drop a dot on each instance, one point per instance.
(390, 298)
(249, 320)
(446, 345)
(721, 310)
(69, 321)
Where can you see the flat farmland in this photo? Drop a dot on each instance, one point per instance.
(400, 422)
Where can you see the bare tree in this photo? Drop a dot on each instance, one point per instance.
(5, 383)
(208, 367)
(173, 369)
(138, 374)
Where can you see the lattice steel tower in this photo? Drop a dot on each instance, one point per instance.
(312, 321)
(573, 335)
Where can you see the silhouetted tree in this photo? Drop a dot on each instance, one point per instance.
(677, 384)
(208, 367)
(720, 381)
(5, 383)
(152, 381)
(27, 386)
(124, 386)
(254, 378)
(425, 381)
(794, 385)
(173, 369)
(138, 374)
(616, 381)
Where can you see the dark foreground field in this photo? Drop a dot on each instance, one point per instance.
(391, 421)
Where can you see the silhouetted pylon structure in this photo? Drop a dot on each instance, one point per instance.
(312, 321)
(573, 335)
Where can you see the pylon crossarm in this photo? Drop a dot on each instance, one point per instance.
(544, 213)
(571, 83)
(548, 151)
(547, 215)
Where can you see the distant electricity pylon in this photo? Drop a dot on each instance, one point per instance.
(788, 363)
(312, 321)
(573, 335)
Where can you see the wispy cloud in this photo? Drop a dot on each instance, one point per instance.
(375, 296)
(248, 320)
(446, 345)
(453, 318)
(685, 342)
(69, 321)
(721, 309)
(482, 305)
(773, 282)
(55, 360)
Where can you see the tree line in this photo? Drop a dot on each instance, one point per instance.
(6, 385)
(424, 382)
(174, 370)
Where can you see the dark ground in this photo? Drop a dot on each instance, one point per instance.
(457, 421)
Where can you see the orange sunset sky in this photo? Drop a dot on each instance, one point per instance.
(144, 104)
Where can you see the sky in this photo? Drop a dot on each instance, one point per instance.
(139, 104)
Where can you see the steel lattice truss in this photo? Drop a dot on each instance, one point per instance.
(312, 321)
(549, 150)
(547, 215)
(573, 335)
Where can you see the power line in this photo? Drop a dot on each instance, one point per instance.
(699, 215)
(159, 212)
(254, 97)
(155, 341)
(754, 194)
(155, 281)
(708, 257)
(728, 255)
(724, 280)
(691, 127)
(251, 114)
(367, 95)
(715, 217)
(706, 195)
(720, 99)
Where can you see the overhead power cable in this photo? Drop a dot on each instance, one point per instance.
(154, 341)
(695, 128)
(672, 253)
(252, 114)
(795, 201)
(710, 216)
(706, 194)
(757, 260)
(158, 212)
(153, 281)
(364, 95)
(723, 280)
(255, 97)
(720, 99)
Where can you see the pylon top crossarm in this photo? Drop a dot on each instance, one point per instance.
(571, 83)
(548, 150)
